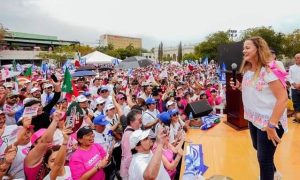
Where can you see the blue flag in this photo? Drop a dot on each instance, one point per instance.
(205, 61)
(115, 61)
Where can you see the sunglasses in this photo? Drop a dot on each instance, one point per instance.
(176, 114)
(14, 97)
(49, 87)
(101, 104)
(104, 91)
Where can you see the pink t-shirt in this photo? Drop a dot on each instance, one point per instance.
(215, 101)
(32, 172)
(84, 160)
(169, 155)
(126, 153)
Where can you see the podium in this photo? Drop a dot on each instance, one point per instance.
(234, 105)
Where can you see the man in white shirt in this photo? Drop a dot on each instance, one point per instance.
(144, 164)
(294, 79)
(149, 117)
(10, 108)
(47, 94)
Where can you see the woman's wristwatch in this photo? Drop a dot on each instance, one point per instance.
(272, 126)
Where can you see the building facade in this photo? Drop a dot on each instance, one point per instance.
(25, 47)
(172, 52)
(120, 41)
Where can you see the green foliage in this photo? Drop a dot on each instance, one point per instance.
(208, 48)
(160, 52)
(291, 44)
(275, 40)
(121, 53)
(190, 56)
(3, 31)
(62, 53)
(179, 57)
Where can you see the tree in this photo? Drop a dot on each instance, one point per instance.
(161, 51)
(275, 40)
(179, 57)
(62, 53)
(208, 48)
(3, 31)
(158, 54)
(291, 44)
(190, 56)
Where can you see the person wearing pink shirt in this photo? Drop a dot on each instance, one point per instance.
(134, 121)
(88, 161)
(214, 99)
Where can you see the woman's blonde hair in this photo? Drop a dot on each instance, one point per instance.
(263, 55)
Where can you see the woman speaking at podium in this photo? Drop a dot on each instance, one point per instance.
(265, 99)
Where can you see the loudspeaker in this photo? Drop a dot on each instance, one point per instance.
(198, 108)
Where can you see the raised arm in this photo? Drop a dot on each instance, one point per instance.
(36, 154)
(153, 167)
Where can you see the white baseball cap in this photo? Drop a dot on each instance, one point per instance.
(100, 100)
(137, 136)
(169, 103)
(81, 99)
(34, 89)
(8, 85)
(109, 107)
(47, 86)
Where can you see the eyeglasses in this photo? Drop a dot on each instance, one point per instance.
(176, 114)
(13, 97)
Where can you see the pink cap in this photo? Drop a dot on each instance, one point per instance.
(119, 96)
(37, 135)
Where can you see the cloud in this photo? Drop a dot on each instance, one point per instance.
(170, 21)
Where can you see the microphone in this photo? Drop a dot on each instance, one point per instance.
(233, 67)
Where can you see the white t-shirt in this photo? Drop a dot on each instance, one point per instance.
(17, 166)
(294, 74)
(103, 139)
(10, 120)
(259, 100)
(149, 117)
(139, 164)
(67, 176)
(174, 127)
(58, 137)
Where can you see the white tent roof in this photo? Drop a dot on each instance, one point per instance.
(97, 57)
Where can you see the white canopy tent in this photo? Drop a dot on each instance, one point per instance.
(97, 57)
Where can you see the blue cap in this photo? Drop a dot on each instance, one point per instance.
(164, 117)
(86, 94)
(172, 112)
(103, 88)
(150, 100)
(100, 120)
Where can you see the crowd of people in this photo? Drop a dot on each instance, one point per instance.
(118, 124)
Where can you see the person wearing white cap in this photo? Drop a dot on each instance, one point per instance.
(144, 164)
(36, 92)
(10, 108)
(170, 105)
(47, 94)
(100, 103)
(9, 86)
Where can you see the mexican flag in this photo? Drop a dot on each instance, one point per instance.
(68, 86)
(28, 71)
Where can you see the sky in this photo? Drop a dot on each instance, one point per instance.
(169, 21)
